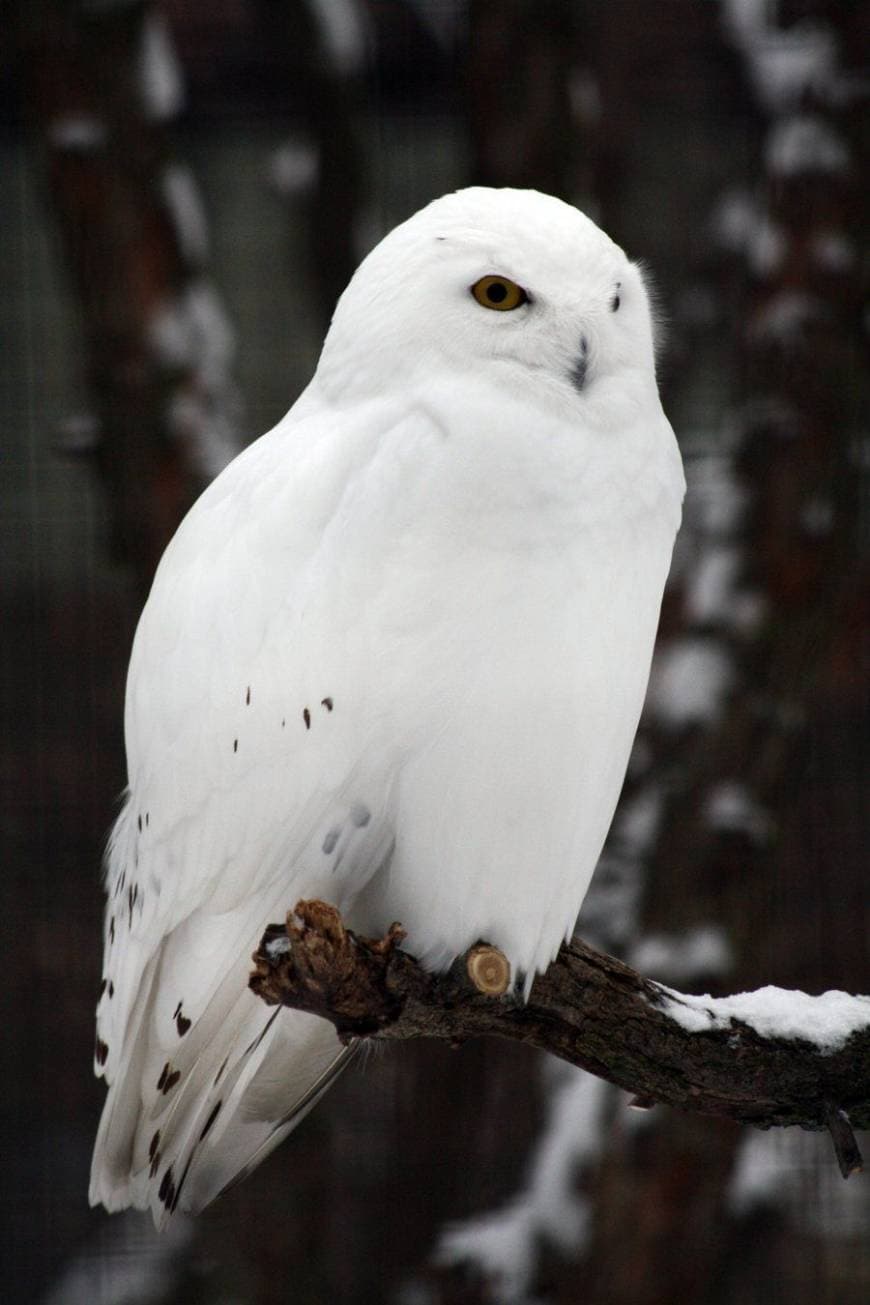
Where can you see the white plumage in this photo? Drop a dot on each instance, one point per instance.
(394, 657)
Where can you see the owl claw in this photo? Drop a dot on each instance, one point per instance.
(328, 970)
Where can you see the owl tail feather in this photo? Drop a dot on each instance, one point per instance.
(225, 1123)
(276, 1079)
(202, 1100)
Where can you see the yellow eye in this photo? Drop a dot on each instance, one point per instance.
(499, 293)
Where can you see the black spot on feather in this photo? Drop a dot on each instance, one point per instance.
(139, 823)
(182, 1023)
(101, 1051)
(327, 703)
(248, 697)
(208, 1123)
(235, 745)
(331, 839)
(306, 716)
(177, 1192)
(154, 1154)
(112, 929)
(168, 1078)
(166, 1191)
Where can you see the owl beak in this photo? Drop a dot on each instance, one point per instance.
(581, 366)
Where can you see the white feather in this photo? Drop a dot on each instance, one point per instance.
(394, 658)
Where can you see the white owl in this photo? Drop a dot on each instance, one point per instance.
(393, 658)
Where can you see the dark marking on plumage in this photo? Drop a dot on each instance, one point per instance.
(331, 839)
(112, 929)
(171, 1081)
(235, 745)
(147, 818)
(101, 1051)
(155, 1165)
(166, 1191)
(360, 815)
(283, 723)
(248, 697)
(581, 366)
(327, 703)
(616, 299)
(164, 1074)
(111, 990)
(217, 1077)
(252, 1046)
(208, 1123)
(139, 823)
(177, 1193)
(104, 983)
(182, 1023)
(306, 716)
(155, 1142)
(119, 887)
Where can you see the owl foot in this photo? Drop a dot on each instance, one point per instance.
(314, 963)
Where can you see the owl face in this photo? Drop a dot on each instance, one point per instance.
(529, 292)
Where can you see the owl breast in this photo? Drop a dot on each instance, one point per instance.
(525, 698)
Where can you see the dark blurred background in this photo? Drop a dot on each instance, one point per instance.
(184, 190)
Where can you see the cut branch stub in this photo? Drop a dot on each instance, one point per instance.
(488, 969)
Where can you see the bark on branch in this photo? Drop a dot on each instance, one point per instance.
(588, 1008)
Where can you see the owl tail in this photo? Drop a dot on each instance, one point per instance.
(235, 1109)
(268, 1088)
(201, 1101)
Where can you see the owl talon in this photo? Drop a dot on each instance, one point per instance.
(328, 970)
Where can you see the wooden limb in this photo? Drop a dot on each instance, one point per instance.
(488, 969)
(588, 1008)
(845, 1146)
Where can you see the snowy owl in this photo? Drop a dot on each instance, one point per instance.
(393, 658)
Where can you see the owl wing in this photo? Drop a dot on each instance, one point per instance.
(254, 779)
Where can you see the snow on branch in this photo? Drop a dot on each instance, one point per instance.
(765, 1058)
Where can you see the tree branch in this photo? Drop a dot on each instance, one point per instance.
(588, 1008)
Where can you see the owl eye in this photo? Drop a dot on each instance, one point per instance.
(500, 293)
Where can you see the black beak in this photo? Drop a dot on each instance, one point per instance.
(578, 371)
